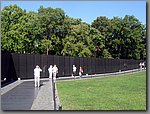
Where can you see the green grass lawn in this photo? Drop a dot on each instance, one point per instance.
(124, 92)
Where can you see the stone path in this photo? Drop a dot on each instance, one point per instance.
(22, 95)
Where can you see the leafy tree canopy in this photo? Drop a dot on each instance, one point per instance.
(51, 31)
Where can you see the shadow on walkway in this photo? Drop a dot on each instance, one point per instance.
(20, 97)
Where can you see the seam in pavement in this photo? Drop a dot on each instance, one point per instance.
(44, 99)
(10, 86)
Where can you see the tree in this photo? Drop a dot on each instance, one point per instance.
(82, 41)
(102, 24)
(10, 24)
(20, 30)
(50, 31)
(124, 38)
(30, 32)
(127, 38)
(51, 21)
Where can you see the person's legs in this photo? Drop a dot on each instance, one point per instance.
(35, 81)
(140, 68)
(38, 81)
(54, 76)
(50, 75)
(74, 73)
(80, 74)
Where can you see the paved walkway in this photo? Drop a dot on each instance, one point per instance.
(44, 99)
(22, 95)
(99, 75)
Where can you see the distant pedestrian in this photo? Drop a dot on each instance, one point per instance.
(143, 65)
(37, 71)
(55, 71)
(80, 72)
(50, 70)
(140, 65)
(74, 70)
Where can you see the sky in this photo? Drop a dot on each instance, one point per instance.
(88, 10)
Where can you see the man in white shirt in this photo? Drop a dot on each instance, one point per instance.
(37, 71)
(74, 70)
(55, 71)
(140, 66)
(50, 70)
(143, 65)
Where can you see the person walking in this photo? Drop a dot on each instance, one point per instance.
(55, 71)
(80, 72)
(140, 66)
(50, 70)
(143, 65)
(74, 70)
(37, 71)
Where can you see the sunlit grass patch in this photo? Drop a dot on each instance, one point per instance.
(126, 92)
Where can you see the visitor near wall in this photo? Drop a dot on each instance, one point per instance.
(80, 72)
(74, 69)
(143, 65)
(50, 70)
(55, 71)
(140, 65)
(37, 71)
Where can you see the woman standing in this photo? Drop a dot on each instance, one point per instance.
(80, 72)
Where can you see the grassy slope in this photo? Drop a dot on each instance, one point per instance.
(125, 92)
